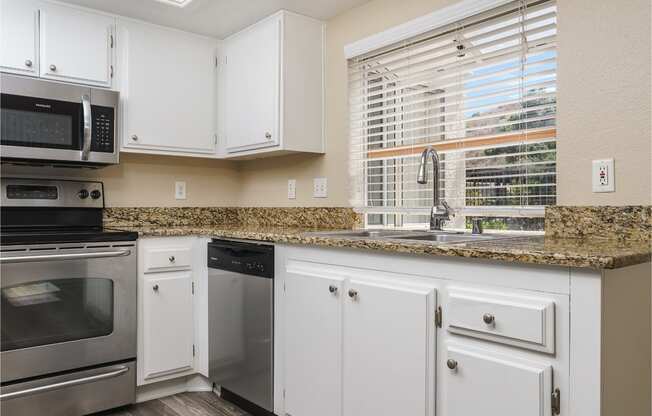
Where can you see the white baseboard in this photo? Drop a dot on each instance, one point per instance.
(165, 388)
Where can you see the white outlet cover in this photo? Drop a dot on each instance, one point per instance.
(180, 190)
(320, 188)
(292, 189)
(603, 175)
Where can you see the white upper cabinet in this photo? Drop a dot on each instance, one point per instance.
(76, 45)
(252, 87)
(272, 73)
(19, 36)
(168, 90)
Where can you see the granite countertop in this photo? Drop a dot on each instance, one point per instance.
(587, 252)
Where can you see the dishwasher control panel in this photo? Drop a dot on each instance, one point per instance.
(240, 257)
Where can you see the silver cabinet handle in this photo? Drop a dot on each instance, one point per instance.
(155, 288)
(172, 259)
(353, 293)
(134, 137)
(53, 68)
(268, 136)
(28, 63)
(64, 384)
(74, 256)
(451, 364)
(488, 319)
(332, 289)
(88, 126)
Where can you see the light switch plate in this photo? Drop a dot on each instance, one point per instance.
(292, 189)
(180, 190)
(320, 188)
(603, 175)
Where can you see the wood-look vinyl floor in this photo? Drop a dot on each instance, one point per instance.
(184, 404)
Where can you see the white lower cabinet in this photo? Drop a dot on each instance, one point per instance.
(313, 345)
(389, 349)
(167, 324)
(357, 346)
(488, 383)
(172, 320)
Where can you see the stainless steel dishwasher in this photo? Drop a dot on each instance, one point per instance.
(241, 322)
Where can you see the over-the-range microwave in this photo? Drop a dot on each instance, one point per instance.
(55, 123)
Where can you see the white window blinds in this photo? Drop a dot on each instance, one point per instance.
(482, 92)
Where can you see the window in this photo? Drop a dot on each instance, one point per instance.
(482, 92)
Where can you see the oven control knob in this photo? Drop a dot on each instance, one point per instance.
(83, 194)
(96, 194)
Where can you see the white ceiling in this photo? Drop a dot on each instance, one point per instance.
(218, 18)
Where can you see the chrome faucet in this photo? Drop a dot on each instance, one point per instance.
(440, 210)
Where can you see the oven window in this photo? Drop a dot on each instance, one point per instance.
(52, 311)
(29, 128)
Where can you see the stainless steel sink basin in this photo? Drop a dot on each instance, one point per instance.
(446, 237)
(407, 235)
(360, 234)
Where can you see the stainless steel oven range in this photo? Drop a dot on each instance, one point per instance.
(68, 295)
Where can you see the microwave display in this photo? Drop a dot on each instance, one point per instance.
(37, 129)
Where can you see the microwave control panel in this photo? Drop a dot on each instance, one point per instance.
(103, 134)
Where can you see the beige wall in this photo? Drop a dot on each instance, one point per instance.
(604, 99)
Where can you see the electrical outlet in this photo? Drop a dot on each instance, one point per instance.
(292, 189)
(180, 190)
(603, 175)
(320, 188)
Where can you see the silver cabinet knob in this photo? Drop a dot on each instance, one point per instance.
(353, 293)
(172, 259)
(268, 136)
(488, 319)
(53, 67)
(332, 289)
(452, 364)
(28, 63)
(155, 288)
(134, 137)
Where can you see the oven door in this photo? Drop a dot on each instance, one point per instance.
(66, 307)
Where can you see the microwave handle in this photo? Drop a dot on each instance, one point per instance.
(88, 127)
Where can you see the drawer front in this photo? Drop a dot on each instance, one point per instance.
(521, 321)
(167, 259)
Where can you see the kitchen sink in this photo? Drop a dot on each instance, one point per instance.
(360, 234)
(447, 237)
(406, 235)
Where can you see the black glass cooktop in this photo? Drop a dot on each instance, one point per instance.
(46, 235)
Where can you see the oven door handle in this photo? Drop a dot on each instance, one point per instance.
(88, 127)
(69, 383)
(72, 256)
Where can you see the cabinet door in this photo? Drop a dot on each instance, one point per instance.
(19, 36)
(481, 382)
(169, 90)
(313, 336)
(389, 350)
(252, 78)
(167, 324)
(76, 45)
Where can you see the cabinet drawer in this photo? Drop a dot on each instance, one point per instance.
(522, 321)
(167, 259)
